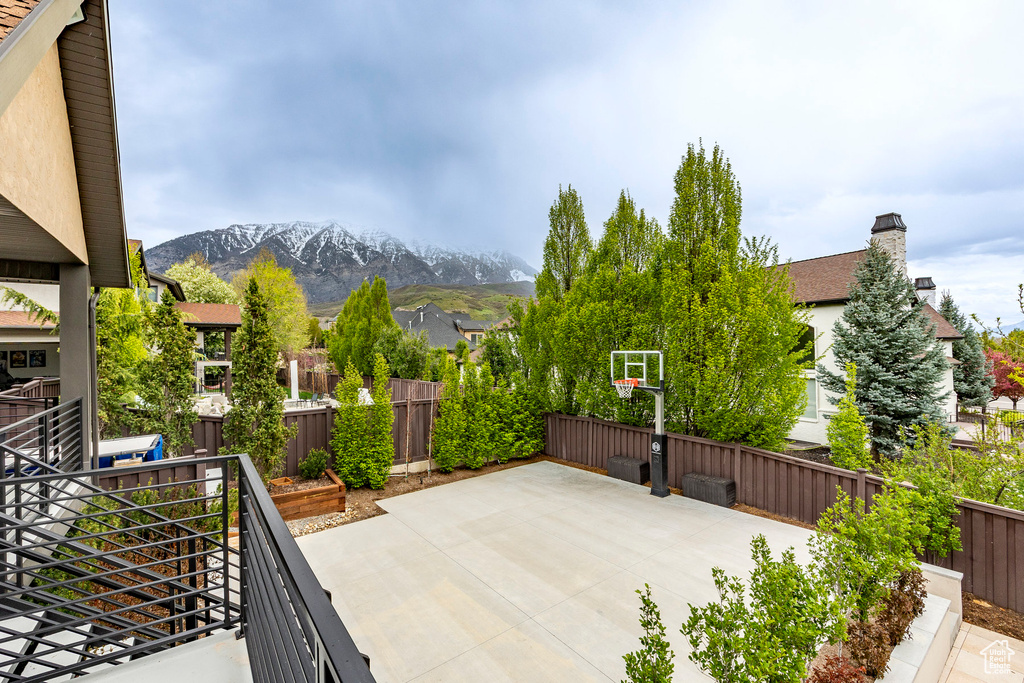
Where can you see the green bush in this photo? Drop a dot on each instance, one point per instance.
(652, 663)
(790, 614)
(314, 465)
(847, 431)
(449, 434)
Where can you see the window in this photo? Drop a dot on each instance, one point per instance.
(475, 338)
(153, 294)
(811, 411)
(806, 342)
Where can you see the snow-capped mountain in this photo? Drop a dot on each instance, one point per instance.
(330, 259)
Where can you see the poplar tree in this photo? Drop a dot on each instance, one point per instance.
(167, 377)
(972, 377)
(732, 353)
(885, 331)
(359, 325)
(255, 423)
(567, 245)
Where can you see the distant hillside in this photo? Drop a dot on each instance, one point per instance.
(329, 259)
(478, 302)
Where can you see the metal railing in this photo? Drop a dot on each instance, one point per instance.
(92, 578)
(292, 632)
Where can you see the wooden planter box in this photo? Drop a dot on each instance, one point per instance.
(312, 502)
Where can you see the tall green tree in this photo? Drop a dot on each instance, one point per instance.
(631, 240)
(285, 300)
(255, 423)
(166, 378)
(733, 357)
(972, 377)
(885, 331)
(359, 325)
(121, 340)
(407, 354)
(199, 283)
(567, 246)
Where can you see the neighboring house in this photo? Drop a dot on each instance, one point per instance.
(28, 350)
(214, 325)
(442, 329)
(823, 284)
(61, 215)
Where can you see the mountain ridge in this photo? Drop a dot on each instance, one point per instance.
(330, 259)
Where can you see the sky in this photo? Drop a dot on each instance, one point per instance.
(455, 123)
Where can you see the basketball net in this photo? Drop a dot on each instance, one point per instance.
(625, 386)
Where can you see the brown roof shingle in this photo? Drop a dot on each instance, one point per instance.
(11, 14)
(824, 279)
(943, 329)
(206, 315)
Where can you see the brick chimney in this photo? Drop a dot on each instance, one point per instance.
(890, 233)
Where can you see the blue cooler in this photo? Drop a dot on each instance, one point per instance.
(149, 447)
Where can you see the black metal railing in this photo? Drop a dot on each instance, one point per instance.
(92, 578)
(292, 632)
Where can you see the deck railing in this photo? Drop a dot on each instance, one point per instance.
(92, 578)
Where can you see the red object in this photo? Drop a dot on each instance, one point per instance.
(1002, 367)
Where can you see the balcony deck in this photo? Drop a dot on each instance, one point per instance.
(219, 658)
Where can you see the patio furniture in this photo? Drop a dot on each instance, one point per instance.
(714, 490)
(633, 470)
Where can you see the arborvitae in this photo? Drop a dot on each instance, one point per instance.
(504, 421)
(350, 429)
(475, 407)
(972, 377)
(167, 378)
(527, 418)
(255, 424)
(450, 427)
(381, 446)
(887, 334)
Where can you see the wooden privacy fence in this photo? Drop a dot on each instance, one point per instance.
(401, 389)
(992, 559)
(410, 431)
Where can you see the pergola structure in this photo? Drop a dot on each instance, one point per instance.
(209, 320)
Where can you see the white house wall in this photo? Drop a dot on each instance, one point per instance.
(815, 429)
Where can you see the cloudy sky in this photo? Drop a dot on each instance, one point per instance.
(455, 122)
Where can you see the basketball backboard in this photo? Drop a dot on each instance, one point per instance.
(646, 367)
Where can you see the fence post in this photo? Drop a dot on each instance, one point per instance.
(862, 488)
(408, 430)
(737, 479)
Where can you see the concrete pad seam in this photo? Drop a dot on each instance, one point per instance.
(470, 649)
(570, 647)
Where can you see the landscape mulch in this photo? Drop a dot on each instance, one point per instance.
(300, 484)
(986, 615)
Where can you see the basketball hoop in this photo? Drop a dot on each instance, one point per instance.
(625, 387)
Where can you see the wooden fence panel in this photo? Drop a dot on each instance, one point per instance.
(992, 559)
(185, 469)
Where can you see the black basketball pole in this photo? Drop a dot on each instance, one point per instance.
(659, 447)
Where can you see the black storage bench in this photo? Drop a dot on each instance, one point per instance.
(714, 490)
(633, 470)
